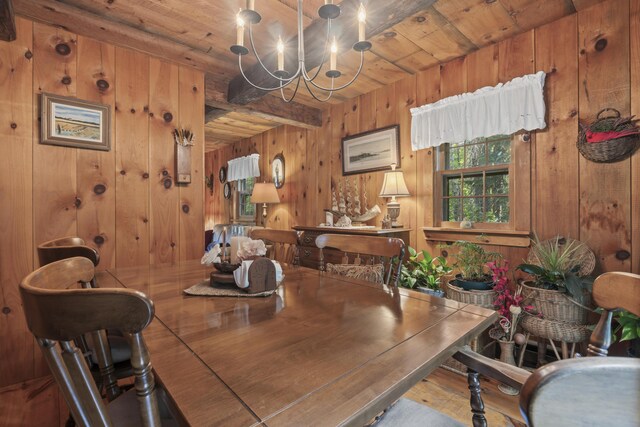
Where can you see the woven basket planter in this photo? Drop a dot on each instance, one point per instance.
(558, 331)
(609, 151)
(555, 305)
(482, 298)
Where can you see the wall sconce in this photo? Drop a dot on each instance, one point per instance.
(394, 186)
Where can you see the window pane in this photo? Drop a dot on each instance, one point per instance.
(497, 209)
(472, 209)
(475, 155)
(451, 210)
(246, 207)
(498, 183)
(500, 151)
(452, 185)
(473, 185)
(455, 157)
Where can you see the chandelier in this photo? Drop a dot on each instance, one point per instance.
(281, 78)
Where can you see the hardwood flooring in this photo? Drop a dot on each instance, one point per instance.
(39, 402)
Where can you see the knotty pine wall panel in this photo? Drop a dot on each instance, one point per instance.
(16, 198)
(48, 192)
(566, 194)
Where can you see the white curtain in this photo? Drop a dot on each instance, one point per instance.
(500, 110)
(244, 167)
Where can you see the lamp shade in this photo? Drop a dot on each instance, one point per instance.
(393, 184)
(264, 192)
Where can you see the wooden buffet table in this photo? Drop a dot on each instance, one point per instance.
(310, 254)
(323, 351)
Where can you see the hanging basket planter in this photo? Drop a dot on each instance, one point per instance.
(608, 139)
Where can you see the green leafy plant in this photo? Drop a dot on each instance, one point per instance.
(472, 260)
(628, 325)
(558, 266)
(421, 269)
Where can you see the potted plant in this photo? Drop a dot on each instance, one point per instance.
(424, 273)
(472, 260)
(561, 287)
(629, 330)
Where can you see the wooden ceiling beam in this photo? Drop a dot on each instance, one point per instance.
(381, 15)
(268, 108)
(212, 113)
(7, 21)
(86, 23)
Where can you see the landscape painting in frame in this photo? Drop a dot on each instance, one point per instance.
(371, 151)
(71, 122)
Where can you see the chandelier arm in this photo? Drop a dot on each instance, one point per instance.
(324, 55)
(295, 91)
(255, 52)
(306, 83)
(344, 85)
(281, 85)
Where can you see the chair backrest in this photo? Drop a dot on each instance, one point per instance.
(66, 247)
(612, 291)
(57, 312)
(284, 244)
(69, 247)
(596, 391)
(388, 251)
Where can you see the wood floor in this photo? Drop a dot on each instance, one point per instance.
(39, 403)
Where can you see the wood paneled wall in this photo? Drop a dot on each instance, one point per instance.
(122, 202)
(593, 61)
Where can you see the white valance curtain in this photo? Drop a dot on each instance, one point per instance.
(500, 110)
(243, 167)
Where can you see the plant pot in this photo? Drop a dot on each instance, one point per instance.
(472, 285)
(555, 305)
(428, 291)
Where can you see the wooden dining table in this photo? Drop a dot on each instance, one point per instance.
(323, 350)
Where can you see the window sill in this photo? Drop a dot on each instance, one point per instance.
(513, 238)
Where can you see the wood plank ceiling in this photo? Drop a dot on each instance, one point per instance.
(200, 32)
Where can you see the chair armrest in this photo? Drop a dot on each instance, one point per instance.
(500, 371)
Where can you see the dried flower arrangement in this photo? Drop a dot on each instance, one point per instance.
(183, 137)
(509, 305)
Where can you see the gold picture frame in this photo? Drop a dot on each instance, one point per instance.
(71, 122)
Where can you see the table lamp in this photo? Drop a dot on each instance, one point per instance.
(394, 186)
(264, 192)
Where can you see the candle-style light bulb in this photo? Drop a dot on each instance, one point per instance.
(334, 52)
(362, 17)
(240, 30)
(280, 49)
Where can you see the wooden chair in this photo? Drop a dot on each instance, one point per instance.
(388, 251)
(584, 391)
(109, 355)
(284, 244)
(56, 313)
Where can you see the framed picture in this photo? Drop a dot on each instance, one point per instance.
(71, 122)
(222, 174)
(227, 190)
(371, 151)
(277, 170)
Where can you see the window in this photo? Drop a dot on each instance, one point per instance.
(245, 210)
(475, 179)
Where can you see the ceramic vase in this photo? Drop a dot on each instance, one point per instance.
(507, 356)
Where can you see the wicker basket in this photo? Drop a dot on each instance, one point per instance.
(482, 298)
(556, 305)
(609, 151)
(558, 331)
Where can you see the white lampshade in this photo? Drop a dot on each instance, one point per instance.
(394, 185)
(264, 192)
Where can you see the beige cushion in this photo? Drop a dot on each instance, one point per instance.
(370, 273)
